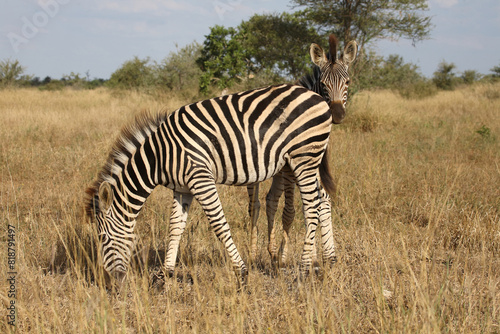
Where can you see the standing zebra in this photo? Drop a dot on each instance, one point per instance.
(237, 139)
(330, 80)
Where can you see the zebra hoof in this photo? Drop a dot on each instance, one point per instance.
(331, 261)
(180, 277)
(242, 277)
(158, 280)
(275, 265)
(318, 272)
(119, 276)
(303, 275)
(169, 273)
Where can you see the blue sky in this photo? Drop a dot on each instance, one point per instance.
(56, 37)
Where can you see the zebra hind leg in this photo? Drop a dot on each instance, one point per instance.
(253, 212)
(272, 199)
(288, 215)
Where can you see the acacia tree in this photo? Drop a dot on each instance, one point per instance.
(11, 73)
(445, 77)
(496, 72)
(368, 20)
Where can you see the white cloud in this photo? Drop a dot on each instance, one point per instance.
(446, 3)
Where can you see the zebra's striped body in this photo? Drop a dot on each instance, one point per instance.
(237, 139)
(330, 80)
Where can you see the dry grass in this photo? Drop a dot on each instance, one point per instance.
(416, 220)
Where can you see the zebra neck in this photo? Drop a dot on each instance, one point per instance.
(135, 171)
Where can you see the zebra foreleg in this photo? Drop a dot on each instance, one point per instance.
(253, 212)
(178, 217)
(205, 192)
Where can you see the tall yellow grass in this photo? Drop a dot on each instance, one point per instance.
(416, 220)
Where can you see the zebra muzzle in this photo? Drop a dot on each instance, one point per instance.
(338, 111)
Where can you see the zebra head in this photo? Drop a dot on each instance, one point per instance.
(334, 78)
(116, 238)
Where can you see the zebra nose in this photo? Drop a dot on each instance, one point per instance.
(338, 111)
(119, 275)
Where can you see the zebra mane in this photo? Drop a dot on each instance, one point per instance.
(130, 139)
(311, 80)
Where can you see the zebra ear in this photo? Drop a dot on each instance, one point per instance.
(318, 56)
(350, 52)
(105, 196)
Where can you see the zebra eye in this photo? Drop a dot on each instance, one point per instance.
(348, 82)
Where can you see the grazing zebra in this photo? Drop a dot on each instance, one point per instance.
(328, 79)
(236, 139)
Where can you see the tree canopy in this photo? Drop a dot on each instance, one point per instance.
(179, 70)
(11, 72)
(368, 20)
(279, 42)
(132, 74)
(223, 58)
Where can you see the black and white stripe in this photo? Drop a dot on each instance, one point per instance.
(237, 139)
(329, 79)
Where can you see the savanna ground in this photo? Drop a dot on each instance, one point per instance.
(416, 220)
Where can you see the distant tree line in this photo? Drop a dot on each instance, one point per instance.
(12, 74)
(273, 48)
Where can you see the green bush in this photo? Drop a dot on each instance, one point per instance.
(445, 77)
(470, 76)
(133, 74)
(179, 71)
(418, 90)
(52, 85)
(496, 72)
(374, 71)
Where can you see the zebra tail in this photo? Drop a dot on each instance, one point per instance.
(326, 175)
